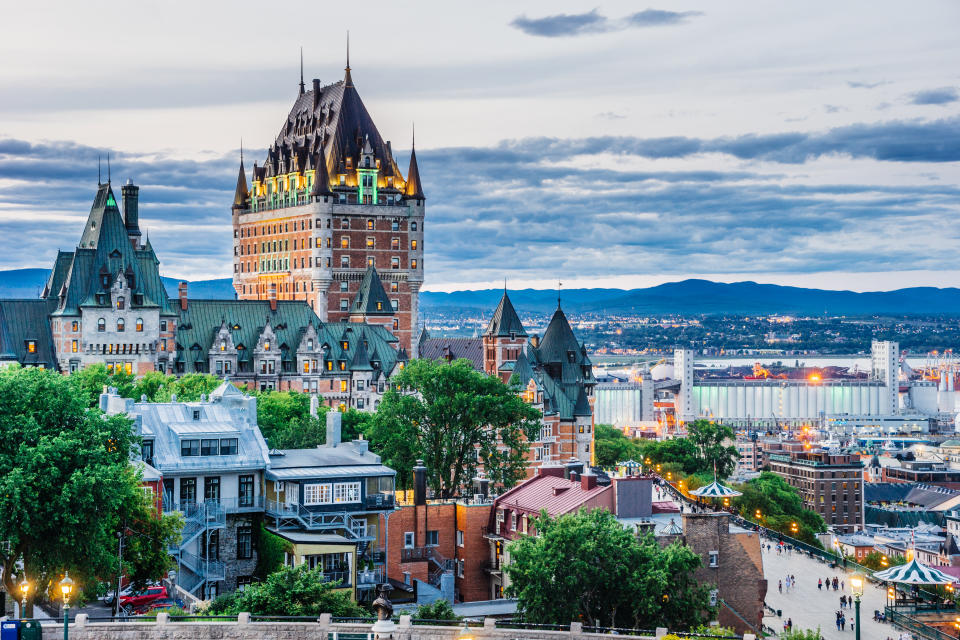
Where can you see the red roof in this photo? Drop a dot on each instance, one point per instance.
(556, 495)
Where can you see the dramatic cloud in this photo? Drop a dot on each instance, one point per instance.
(943, 95)
(566, 24)
(541, 207)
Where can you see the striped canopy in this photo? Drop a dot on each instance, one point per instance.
(914, 572)
(715, 490)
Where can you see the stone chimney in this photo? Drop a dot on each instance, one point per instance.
(334, 424)
(273, 296)
(588, 480)
(131, 196)
(419, 484)
(182, 291)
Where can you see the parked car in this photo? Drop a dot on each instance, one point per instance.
(110, 596)
(146, 596)
(157, 605)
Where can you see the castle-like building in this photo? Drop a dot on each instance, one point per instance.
(554, 374)
(105, 303)
(328, 204)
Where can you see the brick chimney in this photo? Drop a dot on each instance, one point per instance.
(588, 481)
(182, 291)
(273, 296)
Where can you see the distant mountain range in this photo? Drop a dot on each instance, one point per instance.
(688, 297)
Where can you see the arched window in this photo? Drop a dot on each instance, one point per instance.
(101, 325)
(139, 324)
(120, 324)
(121, 303)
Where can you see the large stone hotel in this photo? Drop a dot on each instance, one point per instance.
(328, 204)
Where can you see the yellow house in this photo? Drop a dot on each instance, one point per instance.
(334, 554)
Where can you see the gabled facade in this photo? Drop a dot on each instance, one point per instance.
(105, 303)
(211, 459)
(328, 203)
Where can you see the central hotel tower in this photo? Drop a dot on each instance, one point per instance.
(329, 218)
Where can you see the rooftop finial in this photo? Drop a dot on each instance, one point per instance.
(347, 78)
(302, 86)
(108, 167)
(241, 151)
(99, 181)
(559, 286)
(413, 128)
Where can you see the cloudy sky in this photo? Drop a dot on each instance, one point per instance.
(606, 144)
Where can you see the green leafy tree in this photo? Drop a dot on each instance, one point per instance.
(93, 378)
(612, 446)
(150, 385)
(295, 591)
(875, 561)
(780, 507)
(270, 552)
(445, 412)
(679, 452)
(66, 484)
(586, 565)
(188, 388)
(437, 610)
(801, 634)
(709, 437)
(147, 536)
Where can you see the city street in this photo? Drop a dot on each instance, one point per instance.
(810, 607)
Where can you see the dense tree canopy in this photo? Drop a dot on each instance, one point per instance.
(780, 506)
(67, 487)
(290, 591)
(587, 566)
(709, 438)
(445, 413)
(612, 446)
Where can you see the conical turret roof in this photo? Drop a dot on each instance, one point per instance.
(414, 189)
(242, 195)
(505, 321)
(558, 339)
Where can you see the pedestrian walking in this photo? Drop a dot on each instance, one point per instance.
(780, 585)
(789, 624)
(820, 585)
(841, 585)
(843, 622)
(843, 601)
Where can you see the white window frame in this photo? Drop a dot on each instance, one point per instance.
(316, 494)
(459, 537)
(408, 540)
(346, 492)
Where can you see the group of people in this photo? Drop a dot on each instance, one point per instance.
(842, 622)
(835, 583)
(791, 581)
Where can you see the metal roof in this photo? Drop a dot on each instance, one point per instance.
(355, 471)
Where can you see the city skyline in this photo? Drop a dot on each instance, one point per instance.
(601, 146)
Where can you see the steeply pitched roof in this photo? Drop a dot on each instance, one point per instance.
(453, 349)
(414, 190)
(321, 179)
(242, 194)
(22, 321)
(558, 340)
(371, 299)
(505, 321)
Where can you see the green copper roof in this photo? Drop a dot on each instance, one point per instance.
(22, 321)
(371, 299)
(505, 321)
(558, 341)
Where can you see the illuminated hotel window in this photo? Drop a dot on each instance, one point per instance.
(370, 224)
(394, 243)
(344, 242)
(413, 245)
(370, 242)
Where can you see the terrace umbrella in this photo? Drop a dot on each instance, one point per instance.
(914, 572)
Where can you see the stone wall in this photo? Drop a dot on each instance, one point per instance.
(323, 629)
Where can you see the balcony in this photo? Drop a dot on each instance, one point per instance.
(253, 504)
(491, 533)
(369, 578)
(379, 501)
(493, 567)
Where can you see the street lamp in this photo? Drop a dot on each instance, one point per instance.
(66, 587)
(856, 586)
(464, 633)
(24, 589)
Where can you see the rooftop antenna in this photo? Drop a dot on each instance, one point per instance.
(98, 170)
(301, 71)
(108, 167)
(559, 286)
(241, 151)
(347, 78)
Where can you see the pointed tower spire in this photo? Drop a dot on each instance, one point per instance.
(302, 86)
(347, 78)
(242, 195)
(414, 189)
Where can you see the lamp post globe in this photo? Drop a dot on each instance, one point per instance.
(24, 590)
(856, 587)
(66, 588)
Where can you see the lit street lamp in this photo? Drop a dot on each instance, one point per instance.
(66, 587)
(24, 589)
(856, 586)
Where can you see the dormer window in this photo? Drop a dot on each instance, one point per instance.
(223, 345)
(310, 344)
(266, 345)
(105, 280)
(121, 303)
(346, 345)
(31, 346)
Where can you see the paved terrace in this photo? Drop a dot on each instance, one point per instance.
(324, 628)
